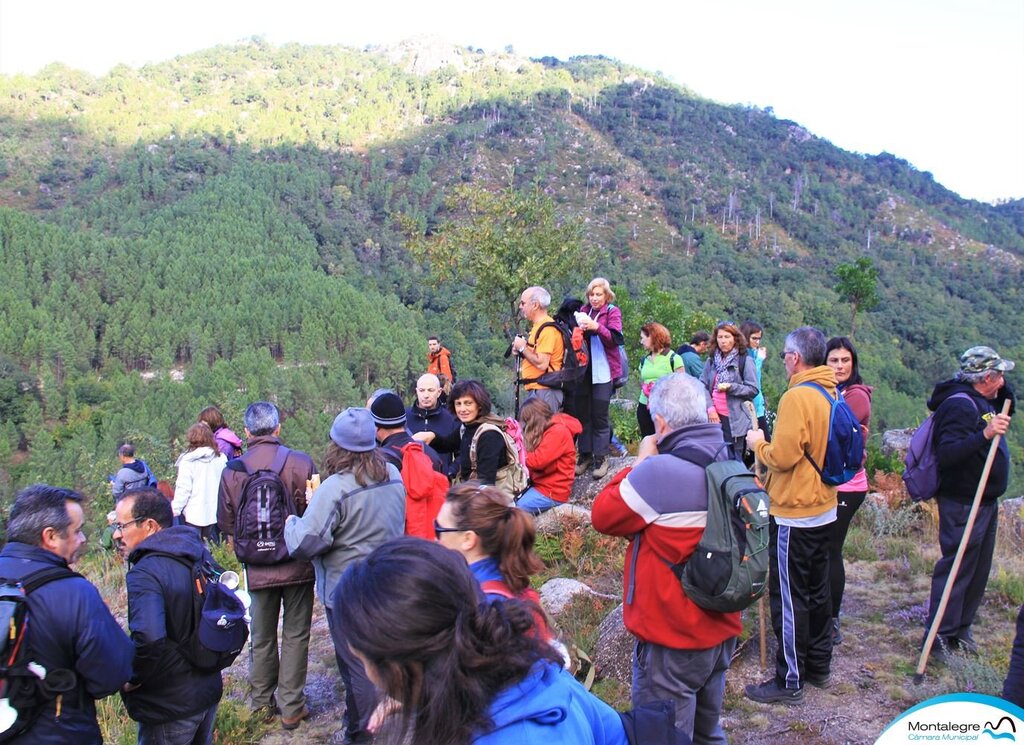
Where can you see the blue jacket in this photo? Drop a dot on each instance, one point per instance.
(160, 619)
(71, 629)
(550, 706)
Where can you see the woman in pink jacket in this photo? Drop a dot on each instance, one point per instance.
(841, 356)
(602, 324)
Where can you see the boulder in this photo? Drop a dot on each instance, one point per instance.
(896, 441)
(552, 520)
(613, 653)
(557, 593)
(1011, 522)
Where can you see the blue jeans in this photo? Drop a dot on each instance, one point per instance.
(693, 678)
(194, 730)
(535, 502)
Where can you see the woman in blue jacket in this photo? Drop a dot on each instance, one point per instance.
(461, 669)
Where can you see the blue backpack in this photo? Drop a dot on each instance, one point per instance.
(921, 472)
(844, 454)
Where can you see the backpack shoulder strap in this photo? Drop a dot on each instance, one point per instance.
(820, 389)
(41, 577)
(276, 465)
(496, 587)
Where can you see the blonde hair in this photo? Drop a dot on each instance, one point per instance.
(602, 282)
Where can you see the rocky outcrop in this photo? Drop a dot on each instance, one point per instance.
(586, 488)
(896, 441)
(613, 653)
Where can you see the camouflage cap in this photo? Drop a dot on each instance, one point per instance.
(982, 359)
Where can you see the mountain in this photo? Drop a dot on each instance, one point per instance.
(234, 217)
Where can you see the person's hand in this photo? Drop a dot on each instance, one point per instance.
(724, 386)
(385, 708)
(754, 436)
(997, 425)
(648, 447)
(518, 344)
(129, 687)
(713, 417)
(426, 436)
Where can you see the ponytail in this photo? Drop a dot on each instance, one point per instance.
(506, 532)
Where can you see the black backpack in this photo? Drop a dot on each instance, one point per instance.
(728, 569)
(218, 630)
(264, 506)
(571, 370)
(20, 681)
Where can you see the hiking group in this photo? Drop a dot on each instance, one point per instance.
(426, 586)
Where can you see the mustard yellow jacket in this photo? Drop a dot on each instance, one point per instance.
(801, 427)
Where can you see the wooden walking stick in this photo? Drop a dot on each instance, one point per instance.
(759, 471)
(960, 551)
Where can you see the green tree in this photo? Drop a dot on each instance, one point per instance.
(858, 285)
(499, 244)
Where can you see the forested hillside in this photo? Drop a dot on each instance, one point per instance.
(233, 225)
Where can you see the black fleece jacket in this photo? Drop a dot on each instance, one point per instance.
(159, 620)
(960, 444)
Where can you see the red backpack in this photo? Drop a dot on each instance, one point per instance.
(425, 490)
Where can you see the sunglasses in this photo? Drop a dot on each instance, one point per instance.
(438, 530)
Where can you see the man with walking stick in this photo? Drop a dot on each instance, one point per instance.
(964, 426)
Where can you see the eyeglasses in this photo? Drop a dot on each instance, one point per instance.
(119, 527)
(782, 354)
(438, 530)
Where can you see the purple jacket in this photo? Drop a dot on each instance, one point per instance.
(228, 443)
(609, 319)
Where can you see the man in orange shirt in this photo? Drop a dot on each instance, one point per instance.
(439, 359)
(543, 350)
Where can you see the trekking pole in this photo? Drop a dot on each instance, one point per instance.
(961, 549)
(759, 468)
(245, 579)
(519, 365)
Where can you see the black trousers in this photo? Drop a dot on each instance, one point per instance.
(849, 503)
(798, 589)
(969, 587)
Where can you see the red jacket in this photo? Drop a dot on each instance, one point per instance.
(661, 506)
(552, 465)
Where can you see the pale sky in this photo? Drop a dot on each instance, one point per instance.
(939, 83)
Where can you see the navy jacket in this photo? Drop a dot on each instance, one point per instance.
(71, 629)
(960, 444)
(160, 620)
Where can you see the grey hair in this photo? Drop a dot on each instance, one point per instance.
(973, 377)
(541, 296)
(809, 343)
(126, 450)
(262, 418)
(679, 399)
(37, 508)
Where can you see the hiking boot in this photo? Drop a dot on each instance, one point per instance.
(291, 723)
(819, 681)
(966, 644)
(837, 633)
(265, 714)
(600, 468)
(583, 461)
(942, 649)
(769, 692)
